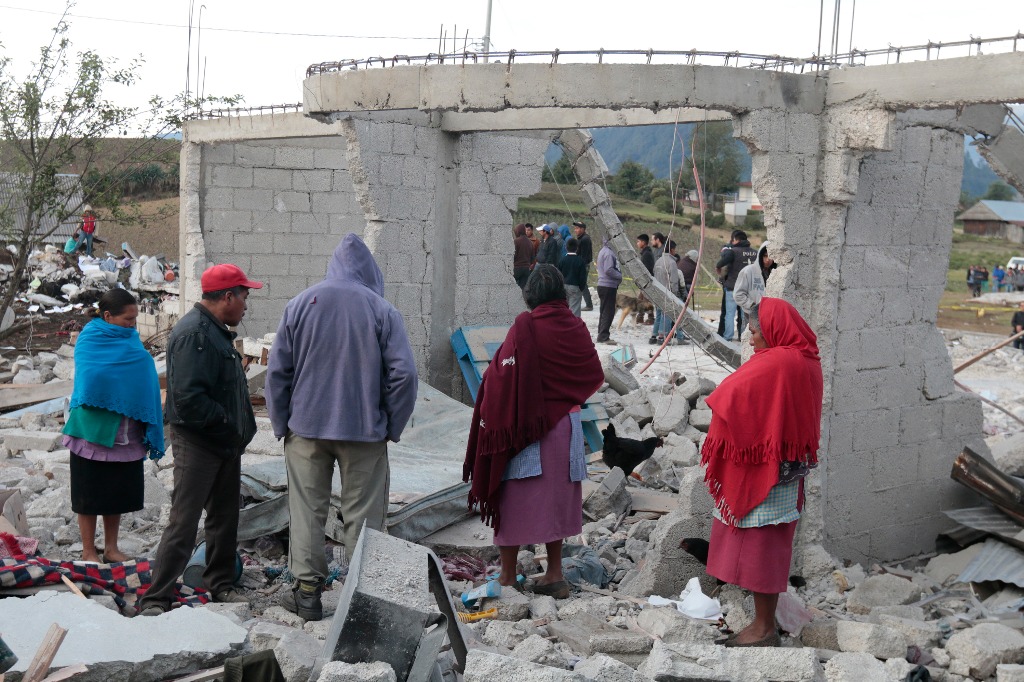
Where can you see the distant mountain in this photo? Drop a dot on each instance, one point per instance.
(650, 146)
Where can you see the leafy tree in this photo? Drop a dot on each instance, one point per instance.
(717, 157)
(560, 173)
(53, 120)
(999, 191)
(633, 181)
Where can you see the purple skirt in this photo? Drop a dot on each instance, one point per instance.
(542, 508)
(756, 559)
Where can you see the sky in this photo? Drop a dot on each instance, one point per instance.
(264, 55)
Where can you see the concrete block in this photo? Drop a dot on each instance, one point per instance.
(286, 244)
(777, 664)
(253, 200)
(543, 606)
(272, 178)
(878, 640)
(232, 176)
(678, 661)
(219, 153)
(507, 634)
(313, 180)
(610, 498)
(512, 605)
(294, 202)
(1008, 453)
(855, 666)
(924, 634)
(284, 616)
(17, 440)
(51, 504)
(668, 624)
(1009, 672)
(339, 671)
(294, 157)
(253, 156)
(266, 635)
(484, 666)
(983, 647)
(604, 668)
(590, 636)
(238, 613)
(882, 590)
(228, 222)
(295, 653)
(335, 159)
(536, 649)
(670, 413)
(820, 634)
(700, 420)
(115, 647)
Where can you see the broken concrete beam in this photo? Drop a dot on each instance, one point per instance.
(339, 671)
(878, 640)
(295, 654)
(237, 612)
(604, 668)
(17, 440)
(588, 636)
(610, 498)
(669, 625)
(984, 646)
(468, 536)
(882, 590)
(855, 666)
(484, 666)
(256, 377)
(114, 647)
(782, 664)
(618, 377)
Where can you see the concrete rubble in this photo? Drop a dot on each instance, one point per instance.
(870, 622)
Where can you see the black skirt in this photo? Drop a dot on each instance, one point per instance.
(105, 488)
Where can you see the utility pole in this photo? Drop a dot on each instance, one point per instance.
(487, 32)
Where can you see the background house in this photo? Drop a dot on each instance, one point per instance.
(737, 205)
(13, 209)
(1003, 219)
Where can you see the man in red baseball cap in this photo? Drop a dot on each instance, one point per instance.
(211, 422)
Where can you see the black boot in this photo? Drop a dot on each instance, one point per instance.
(304, 600)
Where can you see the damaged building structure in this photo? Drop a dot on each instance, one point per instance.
(858, 170)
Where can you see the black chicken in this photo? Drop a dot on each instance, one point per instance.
(627, 453)
(697, 547)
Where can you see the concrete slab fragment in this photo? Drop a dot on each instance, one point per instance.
(114, 647)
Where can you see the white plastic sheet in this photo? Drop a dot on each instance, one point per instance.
(692, 602)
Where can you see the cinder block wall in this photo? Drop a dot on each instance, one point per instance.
(859, 207)
(417, 196)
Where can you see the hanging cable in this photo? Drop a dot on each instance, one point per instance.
(554, 179)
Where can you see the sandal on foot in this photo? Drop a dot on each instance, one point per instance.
(558, 590)
(771, 640)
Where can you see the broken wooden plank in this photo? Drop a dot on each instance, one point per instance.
(45, 654)
(18, 395)
(72, 586)
(65, 673)
(203, 675)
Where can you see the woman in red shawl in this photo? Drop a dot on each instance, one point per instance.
(525, 452)
(763, 440)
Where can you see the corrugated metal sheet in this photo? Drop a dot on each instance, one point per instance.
(990, 520)
(996, 561)
(12, 200)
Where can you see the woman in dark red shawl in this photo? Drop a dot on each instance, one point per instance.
(763, 439)
(525, 451)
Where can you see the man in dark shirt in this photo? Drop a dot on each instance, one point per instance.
(586, 253)
(646, 253)
(735, 256)
(211, 422)
(688, 269)
(574, 271)
(1018, 326)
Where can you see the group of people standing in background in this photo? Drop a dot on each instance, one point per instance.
(571, 255)
(1000, 279)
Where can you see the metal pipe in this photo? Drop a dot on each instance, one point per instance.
(487, 32)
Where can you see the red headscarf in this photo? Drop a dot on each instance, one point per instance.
(527, 389)
(768, 411)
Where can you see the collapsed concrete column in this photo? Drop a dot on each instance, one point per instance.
(858, 208)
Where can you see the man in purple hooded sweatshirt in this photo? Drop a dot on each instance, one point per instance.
(341, 383)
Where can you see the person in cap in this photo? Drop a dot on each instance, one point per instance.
(688, 269)
(341, 383)
(211, 421)
(551, 248)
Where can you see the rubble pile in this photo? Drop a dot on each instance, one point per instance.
(630, 614)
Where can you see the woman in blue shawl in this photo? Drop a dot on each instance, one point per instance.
(115, 421)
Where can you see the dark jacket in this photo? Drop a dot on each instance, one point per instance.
(550, 251)
(586, 249)
(688, 269)
(647, 258)
(207, 393)
(574, 270)
(735, 257)
(523, 255)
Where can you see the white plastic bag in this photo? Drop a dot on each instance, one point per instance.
(692, 602)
